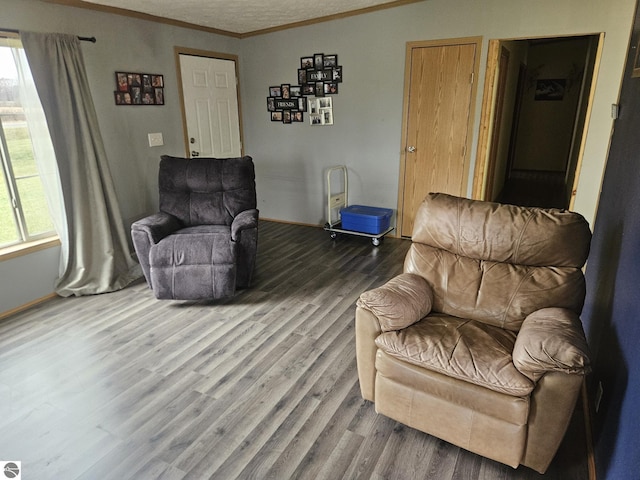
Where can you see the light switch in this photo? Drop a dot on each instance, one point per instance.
(615, 111)
(155, 140)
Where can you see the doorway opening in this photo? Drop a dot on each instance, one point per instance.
(536, 107)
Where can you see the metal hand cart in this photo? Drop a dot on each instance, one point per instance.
(336, 201)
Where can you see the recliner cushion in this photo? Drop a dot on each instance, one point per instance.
(203, 191)
(502, 233)
(464, 349)
(500, 294)
(194, 263)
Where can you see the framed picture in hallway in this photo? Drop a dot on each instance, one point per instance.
(551, 89)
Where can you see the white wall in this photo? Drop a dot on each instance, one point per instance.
(28, 278)
(291, 159)
(124, 44)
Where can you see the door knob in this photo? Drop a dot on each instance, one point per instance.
(194, 153)
(411, 149)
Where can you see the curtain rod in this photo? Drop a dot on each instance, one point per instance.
(84, 39)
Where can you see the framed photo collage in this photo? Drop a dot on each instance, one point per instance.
(318, 76)
(139, 89)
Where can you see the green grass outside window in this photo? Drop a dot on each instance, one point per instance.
(30, 188)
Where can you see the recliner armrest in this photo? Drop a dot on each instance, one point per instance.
(551, 339)
(147, 232)
(399, 303)
(243, 221)
(157, 226)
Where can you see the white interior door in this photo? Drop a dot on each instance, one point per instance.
(210, 96)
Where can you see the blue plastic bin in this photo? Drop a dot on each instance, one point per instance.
(360, 218)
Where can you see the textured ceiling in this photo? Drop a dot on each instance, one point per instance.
(243, 16)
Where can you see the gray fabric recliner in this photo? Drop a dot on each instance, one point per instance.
(202, 243)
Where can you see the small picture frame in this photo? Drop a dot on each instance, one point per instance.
(313, 106)
(297, 116)
(122, 98)
(122, 81)
(159, 96)
(286, 116)
(148, 96)
(318, 61)
(331, 88)
(330, 61)
(325, 102)
(275, 91)
(302, 76)
(336, 74)
(306, 62)
(327, 116)
(285, 88)
(135, 79)
(276, 116)
(271, 104)
(319, 90)
(295, 91)
(550, 90)
(136, 95)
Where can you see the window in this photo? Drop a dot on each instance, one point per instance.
(24, 215)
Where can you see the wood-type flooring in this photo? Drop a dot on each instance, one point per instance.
(262, 386)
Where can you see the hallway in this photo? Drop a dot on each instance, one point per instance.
(535, 189)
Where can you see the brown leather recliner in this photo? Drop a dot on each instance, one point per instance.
(479, 341)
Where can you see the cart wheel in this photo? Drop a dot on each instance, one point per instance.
(333, 235)
(375, 241)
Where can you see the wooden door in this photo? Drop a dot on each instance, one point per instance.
(211, 107)
(439, 104)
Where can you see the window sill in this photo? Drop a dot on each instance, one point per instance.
(28, 247)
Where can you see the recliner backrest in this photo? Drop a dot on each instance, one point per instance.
(206, 191)
(498, 263)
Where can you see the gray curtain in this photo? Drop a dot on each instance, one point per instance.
(96, 256)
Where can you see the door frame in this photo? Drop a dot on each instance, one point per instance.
(177, 51)
(477, 41)
(482, 167)
(503, 64)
